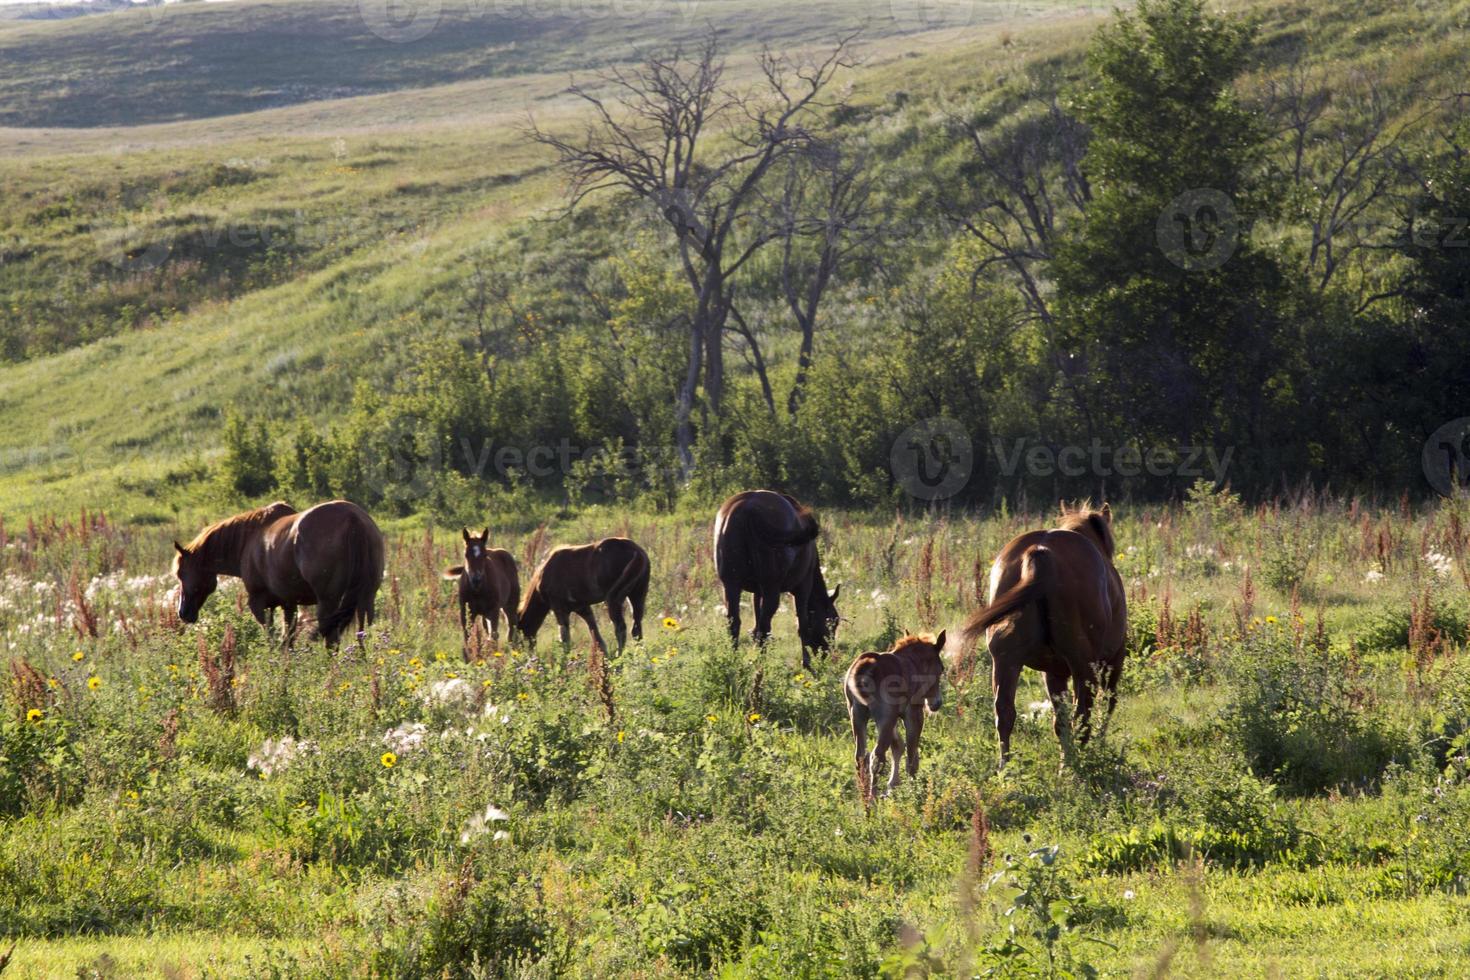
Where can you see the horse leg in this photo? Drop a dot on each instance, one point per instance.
(464, 629)
(732, 612)
(590, 618)
(492, 619)
(1004, 677)
(767, 602)
(637, 598)
(857, 713)
(620, 625)
(896, 747)
(1061, 712)
(1083, 684)
(1113, 674)
(564, 627)
(879, 758)
(288, 617)
(913, 725)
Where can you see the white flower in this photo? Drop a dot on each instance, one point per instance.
(278, 753)
(479, 824)
(1442, 564)
(453, 692)
(1128, 895)
(406, 737)
(1374, 575)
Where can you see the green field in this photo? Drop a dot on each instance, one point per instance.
(1281, 791)
(239, 249)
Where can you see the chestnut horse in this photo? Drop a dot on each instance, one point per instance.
(888, 687)
(330, 555)
(1056, 605)
(573, 578)
(488, 586)
(765, 544)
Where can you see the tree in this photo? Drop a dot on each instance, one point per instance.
(1174, 322)
(678, 137)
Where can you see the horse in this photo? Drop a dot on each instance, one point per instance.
(1056, 605)
(330, 555)
(899, 684)
(765, 544)
(488, 586)
(573, 578)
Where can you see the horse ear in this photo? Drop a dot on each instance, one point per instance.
(833, 596)
(180, 548)
(940, 640)
(1107, 513)
(466, 532)
(485, 534)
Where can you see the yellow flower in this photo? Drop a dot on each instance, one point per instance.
(711, 718)
(1271, 619)
(52, 682)
(415, 662)
(499, 653)
(451, 675)
(522, 696)
(620, 738)
(78, 656)
(485, 683)
(389, 760)
(439, 656)
(35, 714)
(753, 717)
(670, 623)
(94, 682)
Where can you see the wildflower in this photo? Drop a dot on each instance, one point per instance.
(35, 714)
(52, 682)
(415, 662)
(94, 682)
(480, 823)
(522, 696)
(670, 623)
(1271, 620)
(78, 656)
(406, 737)
(439, 657)
(1441, 564)
(753, 717)
(620, 738)
(1128, 895)
(711, 718)
(453, 692)
(388, 759)
(277, 753)
(1374, 575)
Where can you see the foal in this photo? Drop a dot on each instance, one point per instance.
(887, 687)
(488, 586)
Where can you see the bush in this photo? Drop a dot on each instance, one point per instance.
(1301, 717)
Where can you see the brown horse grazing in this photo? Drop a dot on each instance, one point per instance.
(1057, 606)
(887, 687)
(765, 544)
(330, 555)
(572, 579)
(488, 586)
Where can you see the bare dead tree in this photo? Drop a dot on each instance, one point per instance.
(1341, 149)
(674, 134)
(1023, 182)
(827, 214)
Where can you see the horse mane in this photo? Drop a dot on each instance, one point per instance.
(911, 640)
(1087, 520)
(225, 538)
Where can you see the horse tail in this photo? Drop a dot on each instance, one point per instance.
(636, 569)
(861, 686)
(453, 572)
(362, 588)
(1038, 575)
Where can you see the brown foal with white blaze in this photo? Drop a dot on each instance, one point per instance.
(900, 684)
(488, 587)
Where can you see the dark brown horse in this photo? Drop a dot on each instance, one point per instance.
(890, 687)
(488, 586)
(573, 579)
(330, 555)
(1057, 606)
(766, 544)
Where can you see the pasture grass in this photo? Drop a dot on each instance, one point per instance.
(689, 809)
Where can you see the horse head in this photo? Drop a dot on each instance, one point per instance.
(197, 580)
